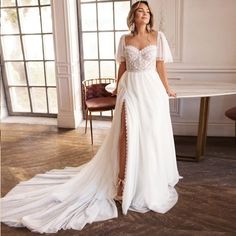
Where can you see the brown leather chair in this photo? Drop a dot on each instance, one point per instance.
(231, 114)
(97, 99)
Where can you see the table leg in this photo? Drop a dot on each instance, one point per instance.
(202, 128)
(202, 132)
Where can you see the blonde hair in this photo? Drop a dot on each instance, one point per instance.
(131, 16)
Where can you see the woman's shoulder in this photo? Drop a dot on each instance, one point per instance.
(157, 33)
(154, 35)
(154, 32)
(124, 37)
(160, 34)
(127, 35)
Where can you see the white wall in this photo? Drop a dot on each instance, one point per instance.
(65, 31)
(202, 36)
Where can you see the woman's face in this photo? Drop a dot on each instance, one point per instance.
(142, 14)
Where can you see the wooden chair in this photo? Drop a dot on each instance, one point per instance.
(231, 114)
(97, 99)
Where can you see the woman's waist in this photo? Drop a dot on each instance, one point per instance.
(141, 70)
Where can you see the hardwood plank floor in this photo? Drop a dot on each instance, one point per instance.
(207, 194)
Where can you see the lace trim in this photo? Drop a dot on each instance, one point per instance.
(142, 49)
(126, 146)
(123, 109)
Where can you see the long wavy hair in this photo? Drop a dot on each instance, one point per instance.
(131, 16)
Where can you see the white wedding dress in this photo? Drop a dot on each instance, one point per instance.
(72, 197)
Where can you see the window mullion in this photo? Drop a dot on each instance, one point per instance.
(23, 54)
(44, 67)
(5, 83)
(23, 34)
(114, 32)
(99, 70)
(30, 6)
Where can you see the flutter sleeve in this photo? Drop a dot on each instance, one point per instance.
(163, 49)
(120, 54)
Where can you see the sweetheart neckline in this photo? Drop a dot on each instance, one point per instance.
(151, 45)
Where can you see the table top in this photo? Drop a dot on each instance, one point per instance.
(202, 88)
(197, 88)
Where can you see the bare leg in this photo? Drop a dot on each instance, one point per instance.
(122, 148)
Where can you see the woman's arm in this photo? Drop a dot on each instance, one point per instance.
(121, 70)
(161, 69)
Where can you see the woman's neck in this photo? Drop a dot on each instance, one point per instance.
(141, 30)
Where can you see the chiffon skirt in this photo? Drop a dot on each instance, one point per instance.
(72, 197)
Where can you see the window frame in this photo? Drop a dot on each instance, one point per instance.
(6, 85)
(97, 31)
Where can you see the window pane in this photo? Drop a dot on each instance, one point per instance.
(91, 69)
(7, 3)
(45, 2)
(9, 22)
(33, 47)
(107, 69)
(46, 19)
(50, 73)
(105, 16)
(106, 45)
(39, 102)
(48, 47)
(106, 113)
(11, 48)
(87, 0)
(20, 99)
(35, 72)
(52, 100)
(90, 46)
(29, 20)
(15, 73)
(88, 14)
(121, 13)
(27, 2)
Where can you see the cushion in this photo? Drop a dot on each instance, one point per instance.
(96, 90)
(101, 103)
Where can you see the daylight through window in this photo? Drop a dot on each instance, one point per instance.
(28, 57)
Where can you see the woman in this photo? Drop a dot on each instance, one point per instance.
(136, 163)
(146, 52)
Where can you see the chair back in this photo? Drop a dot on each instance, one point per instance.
(95, 88)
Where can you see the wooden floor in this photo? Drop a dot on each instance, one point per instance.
(207, 194)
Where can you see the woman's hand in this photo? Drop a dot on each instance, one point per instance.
(171, 92)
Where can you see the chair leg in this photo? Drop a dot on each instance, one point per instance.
(91, 127)
(86, 121)
(112, 114)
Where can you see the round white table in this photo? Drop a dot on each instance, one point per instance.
(203, 90)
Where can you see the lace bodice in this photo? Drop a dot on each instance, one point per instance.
(138, 60)
(144, 59)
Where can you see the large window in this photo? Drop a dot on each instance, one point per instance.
(28, 57)
(102, 22)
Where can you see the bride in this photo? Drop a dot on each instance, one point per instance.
(136, 164)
